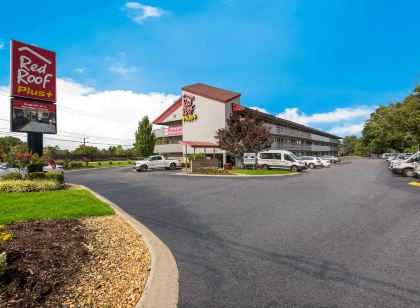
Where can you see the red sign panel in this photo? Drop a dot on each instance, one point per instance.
(33, 72)
(173, 131)
(35, 117)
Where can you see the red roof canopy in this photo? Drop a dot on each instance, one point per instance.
(214, 93)
(168, 111)
(199, 144)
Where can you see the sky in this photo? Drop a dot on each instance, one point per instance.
(326, 64)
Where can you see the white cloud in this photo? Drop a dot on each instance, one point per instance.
(259, 109)
(124, 71)
(338, 115)
(138, 12)
(84, 111)
(80, 70)
(1, 44)
(353, 129)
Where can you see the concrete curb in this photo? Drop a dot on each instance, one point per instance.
(162, 286)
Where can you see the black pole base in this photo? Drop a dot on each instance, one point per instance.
(36, 145)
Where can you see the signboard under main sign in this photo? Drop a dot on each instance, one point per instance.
(33, 72)
(250, 158)
(173, 131)
(33, 117)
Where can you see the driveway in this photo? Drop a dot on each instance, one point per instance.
(346, 236)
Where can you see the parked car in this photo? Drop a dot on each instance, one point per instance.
(5, 169)
(311, 162)
(405, 167)
(324, 163)
(156, 162)
(280, 159)
(53, 168)
(392, 156)
(331, 158)
(417, 170)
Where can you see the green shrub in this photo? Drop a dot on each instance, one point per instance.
(12, 176)
(209, 171)
(30, 185)
(3, 263)
(198, 156)
(110, 162)
(76, 164)
(36, 175)
(119, 163)
(99, 163)
(129, 162)
(59, 177)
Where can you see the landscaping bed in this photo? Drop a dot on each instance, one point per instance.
(85, 262)
(259, 172)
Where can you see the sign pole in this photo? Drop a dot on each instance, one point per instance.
(36, 145)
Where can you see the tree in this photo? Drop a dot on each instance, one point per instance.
(395, 127)
(8, 142)
(144, 138)
(243, 133)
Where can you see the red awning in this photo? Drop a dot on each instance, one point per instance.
(199, 144)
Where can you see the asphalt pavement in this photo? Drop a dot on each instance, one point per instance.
(346, 236)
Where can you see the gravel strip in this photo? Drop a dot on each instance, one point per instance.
(118, 267)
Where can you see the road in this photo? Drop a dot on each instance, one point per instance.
(347, 236)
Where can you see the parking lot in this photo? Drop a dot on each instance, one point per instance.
(345, 236)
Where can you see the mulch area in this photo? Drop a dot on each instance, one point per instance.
(42, 257)
(93, 262)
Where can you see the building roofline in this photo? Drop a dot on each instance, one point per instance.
(207, 93)
(168, 111)
(284, 121)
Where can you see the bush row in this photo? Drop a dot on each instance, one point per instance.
(209, 171)
(59, 177)
(30, 185)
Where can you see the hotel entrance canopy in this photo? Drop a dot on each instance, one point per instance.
(199, 144)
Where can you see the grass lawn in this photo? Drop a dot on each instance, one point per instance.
(104, 164)
(259, 172)
(75, 203)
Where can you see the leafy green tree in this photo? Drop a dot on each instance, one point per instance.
(243, 133)
(144, 138)
(86, 149)
(395, 127)
(8, 142)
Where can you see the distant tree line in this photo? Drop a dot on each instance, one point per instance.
(143, 146)
(392, 128)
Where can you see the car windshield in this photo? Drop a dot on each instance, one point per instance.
(294, 156)
(147, 158)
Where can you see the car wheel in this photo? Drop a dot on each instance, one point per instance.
(265, 167)
(172, 166)
(311, 166)
(408, 172)
(143, 168)
(294, 169)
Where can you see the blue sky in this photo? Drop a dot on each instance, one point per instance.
(310, 57)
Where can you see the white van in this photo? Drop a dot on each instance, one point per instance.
(280, 159)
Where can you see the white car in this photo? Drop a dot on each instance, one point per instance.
(5, 169)
(406, 167)
(331, 158)
(325, 163)
(52, 168)
(311, 162)
(280, 159)
(156, 162)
